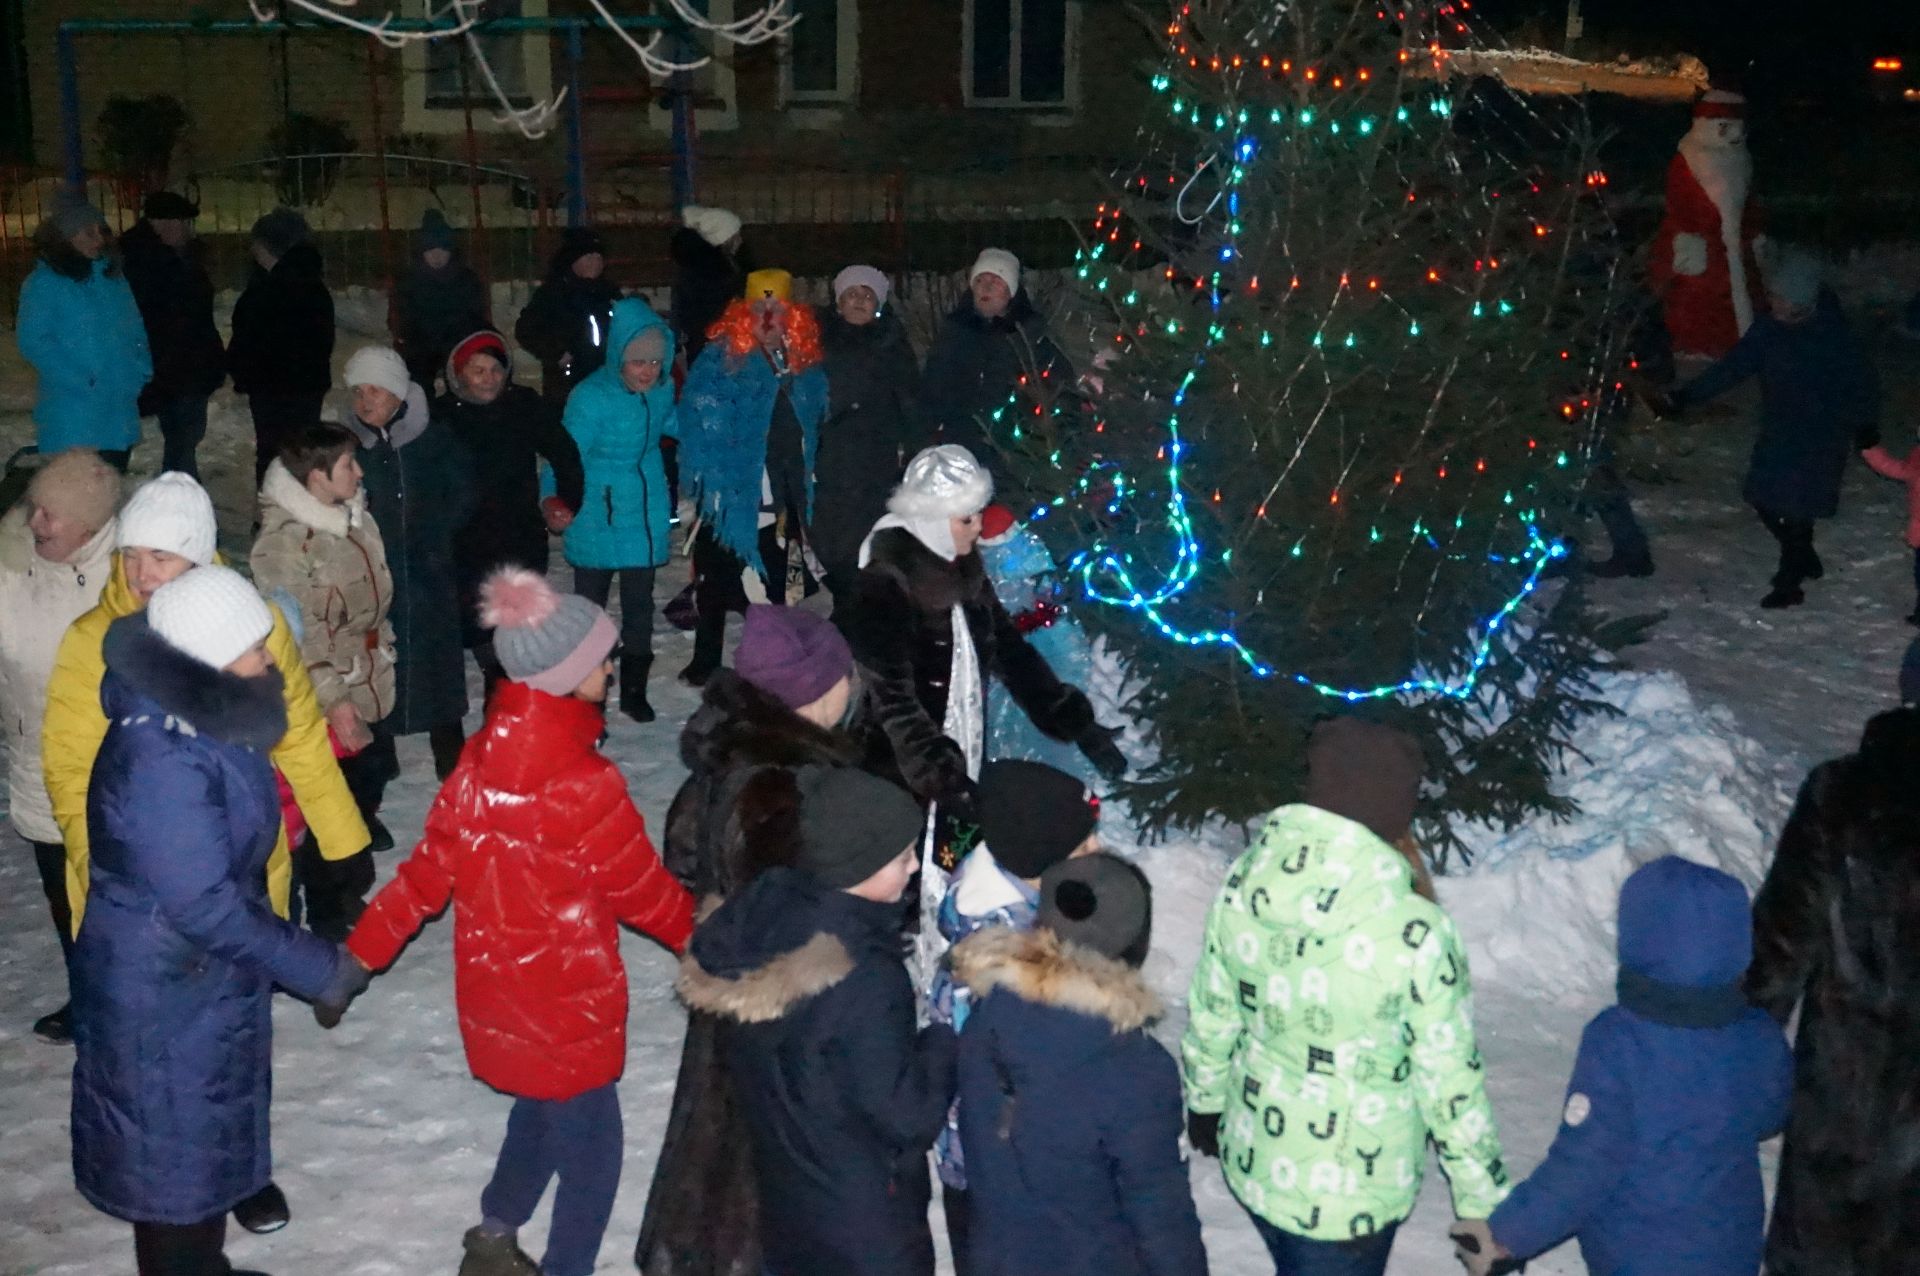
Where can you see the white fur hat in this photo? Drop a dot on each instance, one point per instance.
(715, 225)
(997, 261)
(173, 513)
(211, 614)
(377, 365)
(942, 482)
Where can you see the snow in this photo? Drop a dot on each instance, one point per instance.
(383, 1141)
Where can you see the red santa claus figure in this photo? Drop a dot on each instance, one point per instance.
(1703, 258)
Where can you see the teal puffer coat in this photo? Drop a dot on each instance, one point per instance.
(84, 337)
(624, 514)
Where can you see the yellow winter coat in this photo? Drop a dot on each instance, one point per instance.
(74, 727)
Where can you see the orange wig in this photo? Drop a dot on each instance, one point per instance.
(738, 328)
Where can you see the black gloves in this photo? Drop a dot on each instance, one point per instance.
(1098, 746)
(350, 979)
(1203, 1132)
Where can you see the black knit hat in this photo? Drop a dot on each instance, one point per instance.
(169, 206)
(1033, 815)
(1099, 901)
(851, 824)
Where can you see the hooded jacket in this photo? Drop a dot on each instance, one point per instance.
(567, 315)
(624, 512)
(1331, 1026)
(420, 491)
(1837, 934)
(175, 965)
(1656, 1168)
(1071, 1116)
(81, 331)
(974, 366)
(175, 297)
(75, 724)
(38, 600)
(506, 439)
(842, 1095)
(535, 840)
(283, 328)
(331, 561)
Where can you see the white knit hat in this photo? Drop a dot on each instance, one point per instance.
(377, 365)
(173, 513)
(862, 277)
(715, 225)
(211, 614)
(997, 261)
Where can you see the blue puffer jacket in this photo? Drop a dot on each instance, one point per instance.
(1656, 1167)
(83, 335)
(624, 515)
(726, 407)
(1071, 1115)
(175, 963)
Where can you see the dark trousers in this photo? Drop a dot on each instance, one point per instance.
(181, 1249)
(183, 423)
(595, 584)
(369, 771)
(50, 858)
(717, 589)
(275, 418)
(1612, 504)
(329, 895)
(1298, 1256)
(446, 741)
(1798, 561)
(1916, 581)
(577, 1140)
(959, 1210)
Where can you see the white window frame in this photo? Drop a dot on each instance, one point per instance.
(1070, 96)
(721, 119)
(417, 117)
(846, 64)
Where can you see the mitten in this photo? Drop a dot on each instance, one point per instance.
(558, 516)
(350, 979)
(1098, 746)
(1203, 1132)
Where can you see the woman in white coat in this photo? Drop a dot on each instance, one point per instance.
(56, 552)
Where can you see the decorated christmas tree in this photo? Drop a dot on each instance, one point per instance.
(1360, 308)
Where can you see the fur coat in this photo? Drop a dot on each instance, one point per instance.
(1837, 933)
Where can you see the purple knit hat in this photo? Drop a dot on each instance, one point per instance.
(791, 654)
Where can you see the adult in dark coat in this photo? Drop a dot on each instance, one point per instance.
(164, 266)
(1837, 933)
(420, 491)
(176, 961)
(710, 269)
(872, 423)
(1819, 402)
(565, 323)
(507, 430)
(437, 302)
(992, 339)
(737, 814)
(281, 353)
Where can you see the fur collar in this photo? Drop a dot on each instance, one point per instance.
(1038, 966)
(932, 582)
(279, 488)
(250, 712)
(766, 994)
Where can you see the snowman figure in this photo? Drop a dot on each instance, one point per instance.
(1704, 265)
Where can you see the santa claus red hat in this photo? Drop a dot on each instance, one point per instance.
(1720, 104)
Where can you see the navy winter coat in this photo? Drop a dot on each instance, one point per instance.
(1070, 1114)
(175, 963)
(974, 366)
(1656, 1167)
(841, 1093)
(1819, 402)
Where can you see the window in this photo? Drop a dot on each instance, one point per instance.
(439, 90)
(1021, 53)
(821, 56)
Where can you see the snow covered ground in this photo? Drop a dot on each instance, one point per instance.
(383, 1141)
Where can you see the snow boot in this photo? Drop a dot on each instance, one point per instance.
(633, 687)
(55, 1028)
(382, 836)
(1782, 596)
(490, 1254)
(265, 1211)
(1615, 567)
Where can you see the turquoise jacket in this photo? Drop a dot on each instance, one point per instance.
(624, 514)
(85, 339)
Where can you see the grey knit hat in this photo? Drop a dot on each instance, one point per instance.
(73, 214)
(548, 640)
(852, 824)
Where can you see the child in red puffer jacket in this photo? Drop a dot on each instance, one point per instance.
(1906, 471)
(535, 840)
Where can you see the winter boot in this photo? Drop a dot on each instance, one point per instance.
(633, 687)
(490, 1254)
(382, 836)
(55, 1028)
(264, 1211)
(1781, 596)
(1617, 566)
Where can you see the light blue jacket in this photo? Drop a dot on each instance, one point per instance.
(85, 339)
(624, 515)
